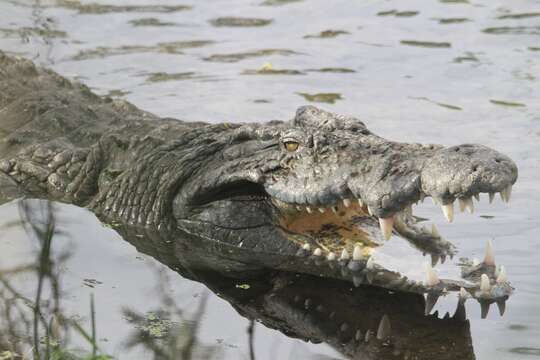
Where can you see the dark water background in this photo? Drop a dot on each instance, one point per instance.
(449, 72)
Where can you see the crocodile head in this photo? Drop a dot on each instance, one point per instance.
(326, 188)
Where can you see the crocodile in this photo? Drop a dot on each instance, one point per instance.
(320, 194)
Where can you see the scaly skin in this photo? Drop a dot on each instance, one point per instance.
(297, 192)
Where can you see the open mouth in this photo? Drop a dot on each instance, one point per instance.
(347, 233)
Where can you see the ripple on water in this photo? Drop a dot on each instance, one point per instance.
(513, 30)
(506, 103)
(279, 2)
(231, 21)
(397, 13)
(520, 16)
(174, 47)
(328, 98)
(235, 57)
(426, 44)
(151, 22)
(94, 8)
(523, 350)
(326, 34)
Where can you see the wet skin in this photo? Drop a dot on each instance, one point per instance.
(319, 194)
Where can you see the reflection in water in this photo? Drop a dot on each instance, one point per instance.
(36, 325)
(361, 322)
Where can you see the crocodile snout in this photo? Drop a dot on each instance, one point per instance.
(462, 171)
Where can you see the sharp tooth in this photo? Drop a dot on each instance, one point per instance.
(506, 194)
(501, 304)
(298, 208)
(384, 329)
(431, 300)
(308, 209)
(317, 252)
(331, 257)
(489, 258)
(502, 278)
(344, 255)
(462, 204)
(306, 247)
(484, 309)
(477, 197)
(357, 253)
(434, 231)
(463, 294)
(334, 209)
(434, 259)
(469, 205)
(321, 210)
(432, 278)
(346, 202)
(491, 197)
(387, 225)
(369, 264)
(370, 211)
(360, 202)
(485, 286)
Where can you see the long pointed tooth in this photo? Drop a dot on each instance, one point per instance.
(308, 209)
(299, 208)
(306, 246)
(489, 258)
(434, 259)
(387, 225)
(502, 277)
(357, 253)
(432, 278)
(346, 202)
(501, 304)
(469, 205)
(321, 210)
(484, 309)
(370, 211)
(506, 193)
(463, 294)
(431, 300)
(334, 209)
(460, 313)
(385, 329)
(360, 202)
(485, 286)
(491, 197)
(344, 255)
(462, 204)
(369, 264)
(435, 231)
(317, 252)
(448, 211)
(331, 256)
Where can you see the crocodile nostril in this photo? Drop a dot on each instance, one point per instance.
(498, 160)
(475, 168)
(456, 149)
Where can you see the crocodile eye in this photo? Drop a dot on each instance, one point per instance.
(291, 146)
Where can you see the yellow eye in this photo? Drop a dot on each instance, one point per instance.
(291, 146)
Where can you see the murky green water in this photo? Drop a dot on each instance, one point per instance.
(449, 71)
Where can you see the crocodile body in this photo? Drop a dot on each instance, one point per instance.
(319, 194)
